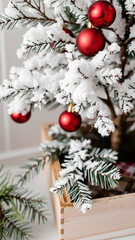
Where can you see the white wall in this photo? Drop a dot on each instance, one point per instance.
(16, 136)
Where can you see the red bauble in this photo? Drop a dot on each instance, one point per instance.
(102, 14)
(90, 41)
(68, 31)
(19, 118)
(70, 121)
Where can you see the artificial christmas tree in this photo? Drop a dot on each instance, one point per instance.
(101, 86)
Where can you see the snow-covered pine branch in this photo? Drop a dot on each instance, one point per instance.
(56, 130)
(35, 81)
(80, 195)
(69, 10)
(85, 163)
(126, 95)
(104, 125)
(100, 173)
(130, 6)
(22, 14)
(107, 155)
(44, 37)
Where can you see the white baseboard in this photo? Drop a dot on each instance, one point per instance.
(19, 153)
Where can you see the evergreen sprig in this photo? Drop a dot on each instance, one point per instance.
(102, 174)
(80, 194)
(15, 203)
(26, 20)
(64, 183)
(10, 23)
(107, 155)
(72, 22)
(38, 6)
(36, 164)
(30, 170)
(12, 227)
(40, 46)
(33, 205)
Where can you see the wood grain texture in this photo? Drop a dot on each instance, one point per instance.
(109, 217)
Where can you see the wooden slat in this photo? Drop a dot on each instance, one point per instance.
(55, 167)
(58, 212)
(107, 216)
(44, 132)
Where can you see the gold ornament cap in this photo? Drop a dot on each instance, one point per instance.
(89, 25)
(71, 107)
(63, 25)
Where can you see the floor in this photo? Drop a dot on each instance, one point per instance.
(47, 231)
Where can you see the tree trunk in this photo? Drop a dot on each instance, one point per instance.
(116, 137)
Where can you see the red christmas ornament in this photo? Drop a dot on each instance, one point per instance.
(70, 121)
(90, 41)
(102, 14)
(68, 31)
(19, 118)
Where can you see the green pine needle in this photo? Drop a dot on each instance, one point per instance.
(15, 204)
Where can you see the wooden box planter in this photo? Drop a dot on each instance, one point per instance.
(109, 217)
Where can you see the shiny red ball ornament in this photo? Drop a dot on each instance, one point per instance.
(68, 31)
(19, 118)
(90, 41)
(70, 121)
(102, 14)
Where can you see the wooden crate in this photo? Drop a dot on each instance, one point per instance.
(109, 217)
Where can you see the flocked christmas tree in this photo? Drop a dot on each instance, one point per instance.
(79, 53)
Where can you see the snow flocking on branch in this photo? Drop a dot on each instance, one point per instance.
(104, 125)
(40, 37)
(81, 161)
(11, 11)
(130, 6)
(119, 23)
(79, 79)
(79, 8)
